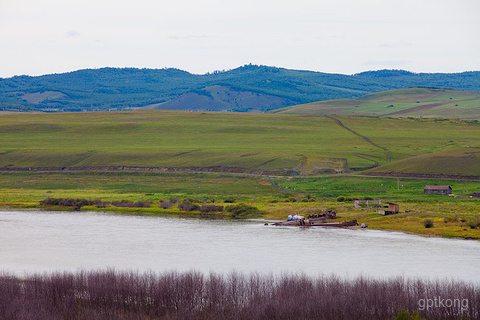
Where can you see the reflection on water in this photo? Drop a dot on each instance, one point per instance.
(44, 241)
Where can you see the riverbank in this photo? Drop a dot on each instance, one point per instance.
(160, 193)
(447, 221)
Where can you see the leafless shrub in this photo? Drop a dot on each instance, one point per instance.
(142, 204)
(188, 206)
(192, 295)
(132, 204)
(122, 203)
(78, 203)
(67, 202)
(174, 200)
(210, 208)
(101, 204)
(450, 219)
(165, 204)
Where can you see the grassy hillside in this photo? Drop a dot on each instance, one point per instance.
(254, 88)
(413, 102)
(452, 162)
(255, 143)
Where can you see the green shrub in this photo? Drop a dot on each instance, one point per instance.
(242, 210)
(474, 224)
(428, 223)
(404, 315)
(344, 198)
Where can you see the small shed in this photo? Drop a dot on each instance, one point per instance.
(446, 190)
(392, 208)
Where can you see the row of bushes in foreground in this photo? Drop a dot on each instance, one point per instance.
(192, 295)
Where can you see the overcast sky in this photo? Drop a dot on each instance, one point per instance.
(199, 36)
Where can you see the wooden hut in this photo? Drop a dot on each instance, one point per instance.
(392, 208)
(446, 190)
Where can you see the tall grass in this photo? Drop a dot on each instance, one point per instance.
(192, 295)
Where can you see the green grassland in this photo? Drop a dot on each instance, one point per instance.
(170, 139)
(254, 143)
(450, 162)
(110, 186)
(230, 157)
(451, 214)
(418, 142)
(413, 102)
(304, 195)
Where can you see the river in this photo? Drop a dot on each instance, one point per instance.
(38, 241)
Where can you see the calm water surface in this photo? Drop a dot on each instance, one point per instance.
(47, 241)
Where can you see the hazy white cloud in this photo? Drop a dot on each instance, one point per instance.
(342, 36)
(394, 45)
(189, 37)
(72, 33)
(387, 63)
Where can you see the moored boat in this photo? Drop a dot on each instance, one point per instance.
(312, 223)
(351, 223)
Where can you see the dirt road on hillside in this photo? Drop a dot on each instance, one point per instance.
(366, 139)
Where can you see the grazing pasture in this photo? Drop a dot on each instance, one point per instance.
(244, 143)
(449, 162)
(277, 163)
(412, 102)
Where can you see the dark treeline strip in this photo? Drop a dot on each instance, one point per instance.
(78, 203)
(192, 295)
(236, 211)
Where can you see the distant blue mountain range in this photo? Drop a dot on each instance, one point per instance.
(247, 88)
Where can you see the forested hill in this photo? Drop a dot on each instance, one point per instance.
(247, 88)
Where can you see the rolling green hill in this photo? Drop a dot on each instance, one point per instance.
(412, 102)
(231, 142)
(247, 88)
(455, 162)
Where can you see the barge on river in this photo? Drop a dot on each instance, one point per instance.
(316, 223)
